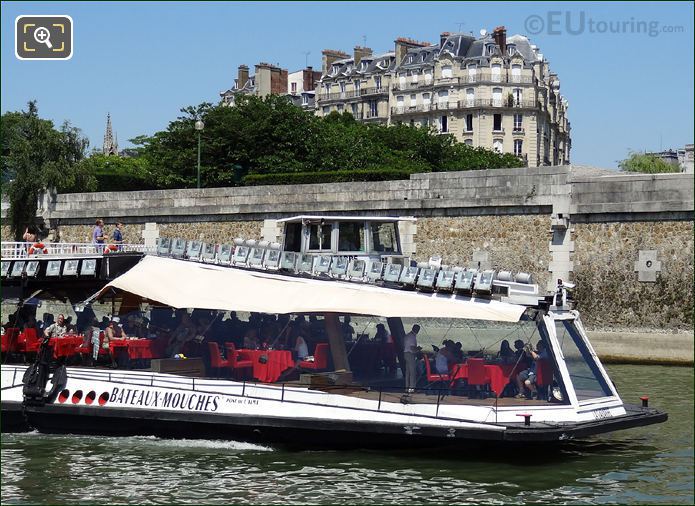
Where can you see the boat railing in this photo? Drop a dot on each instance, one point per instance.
(283, 392)
(19, 250)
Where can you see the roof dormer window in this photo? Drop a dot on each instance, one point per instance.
(490, 49)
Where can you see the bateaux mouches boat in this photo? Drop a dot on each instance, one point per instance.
(350, 392)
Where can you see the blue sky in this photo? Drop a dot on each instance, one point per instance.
(143, 61)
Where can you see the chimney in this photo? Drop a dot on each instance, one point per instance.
(329, 56)
(242, 76)
(402, 46)
(442, 38)
(500, 36)
(310, 78)
(360, 52)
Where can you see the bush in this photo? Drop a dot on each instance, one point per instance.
(333, 176)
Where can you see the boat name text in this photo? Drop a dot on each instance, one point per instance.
(156, 399)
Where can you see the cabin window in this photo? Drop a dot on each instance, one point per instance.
(584, 373)
(384, 237)
(293, 237)
(351, 236)
(320, 237)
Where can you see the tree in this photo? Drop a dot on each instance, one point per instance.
(36, 156)
(647, 164)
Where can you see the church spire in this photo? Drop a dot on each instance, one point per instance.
(110, 146)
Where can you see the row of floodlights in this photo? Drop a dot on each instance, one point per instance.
(54, 268)
(265, 255)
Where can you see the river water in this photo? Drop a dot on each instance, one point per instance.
(646, 465)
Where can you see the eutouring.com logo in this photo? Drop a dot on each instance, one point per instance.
(581, 23)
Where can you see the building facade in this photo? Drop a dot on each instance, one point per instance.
(493, 92)
(297, 86)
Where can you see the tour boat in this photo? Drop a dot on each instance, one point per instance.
(326, 267)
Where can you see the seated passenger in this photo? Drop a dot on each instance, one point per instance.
(441, 361)
(526, 379)
(301, 350)
(57, 329)
(506, 354)
(251, 339)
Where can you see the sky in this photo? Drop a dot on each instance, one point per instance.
(625, 68)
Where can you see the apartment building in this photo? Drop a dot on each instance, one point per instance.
(490, 91)
(297, 86)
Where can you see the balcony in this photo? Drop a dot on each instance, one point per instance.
(493, 102)
(498, 131)
(397, 86)
(395, 111)
(518, 131)
(348, 94)
(485, 77)
(371, 115)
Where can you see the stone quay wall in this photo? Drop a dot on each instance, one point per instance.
(625, 239)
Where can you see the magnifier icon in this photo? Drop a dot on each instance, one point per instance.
(43, 36)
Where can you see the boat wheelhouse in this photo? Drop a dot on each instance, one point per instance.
(351, 391)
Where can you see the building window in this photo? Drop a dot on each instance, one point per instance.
(497, 145)
(469, 122)
(400, 103)
(446, 71)
(443, 97)
(326, 110)
(517, 93)
(342, 89)
(516, 73)
(496, 70)
(470, 97)
(444, 124)
(354, 109)
(428, 76)
(377, 82)
(413, 78)
(294, 87)
(351, 236)
(425, 122)
(472, 73)
(497, 122)
(497, 97)
(373, 108)
(413, 100)
(518, 122)
(468, 142)
(340, 108)
(358, 84)
(426, 99)
(518, 145)
(305, 100)
(327, 88)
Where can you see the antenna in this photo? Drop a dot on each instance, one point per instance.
(364, 41)
(306, 58)
(460, 24)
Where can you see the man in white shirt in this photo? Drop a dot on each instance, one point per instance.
(58, 329)
(409, 351)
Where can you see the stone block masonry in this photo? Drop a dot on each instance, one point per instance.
(587, 225)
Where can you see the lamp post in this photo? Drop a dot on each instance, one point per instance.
(199, 125)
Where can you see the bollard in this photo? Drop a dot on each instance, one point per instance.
(645, 401)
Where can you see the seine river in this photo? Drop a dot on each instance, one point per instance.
(648, 465)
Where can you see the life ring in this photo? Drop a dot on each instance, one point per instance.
(38, 247)
(110, 248)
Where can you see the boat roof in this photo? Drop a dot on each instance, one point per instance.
(313, 217)
(184, 284)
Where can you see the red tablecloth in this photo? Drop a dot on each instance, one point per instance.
(137, 348)
(498, 375)
(65, 346)
(278, 361)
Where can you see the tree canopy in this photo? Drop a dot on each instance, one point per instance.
(36, 156)
(647, 164)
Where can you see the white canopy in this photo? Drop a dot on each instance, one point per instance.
(184, 284)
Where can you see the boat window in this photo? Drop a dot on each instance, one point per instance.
(320, 237)
(351, 236)
(586, 378)
(384, 237)
(293, 237)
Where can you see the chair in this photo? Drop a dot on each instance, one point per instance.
(433, 378)
(29, 341)
(216, 360)
(9, 340)
(233, 361)
(477, 375)
(320, 359)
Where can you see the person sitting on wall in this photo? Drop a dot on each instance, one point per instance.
(526, 379)
(57, 329)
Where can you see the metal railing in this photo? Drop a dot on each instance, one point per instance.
(398, 86)
(347, 94)
(14, 250)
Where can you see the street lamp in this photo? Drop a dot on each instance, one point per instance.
(199, 125)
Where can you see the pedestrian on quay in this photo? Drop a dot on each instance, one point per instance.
(118, 235)
(98, 235)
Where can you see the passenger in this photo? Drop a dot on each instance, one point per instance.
(251, 339)
(518, 349)
(526, 379)
(115, 330)
(30, 323)
(30, 234)
(301, 349)
(506, 354)
(58, 329)
(441, 360)
(348, 330)
(91, 337)
(11, 321)
(185, 331)
(381, 335)
(410, 349)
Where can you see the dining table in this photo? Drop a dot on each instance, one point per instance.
(270, 369)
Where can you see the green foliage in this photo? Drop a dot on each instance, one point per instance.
(273, 136)
(333, 176)
(36, 156)
(114, 173)
(647, 164)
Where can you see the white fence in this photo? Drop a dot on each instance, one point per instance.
(12, 250)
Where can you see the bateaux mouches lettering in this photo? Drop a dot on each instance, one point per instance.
(157, 399)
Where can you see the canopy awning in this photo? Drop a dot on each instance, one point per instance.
(184, 284)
